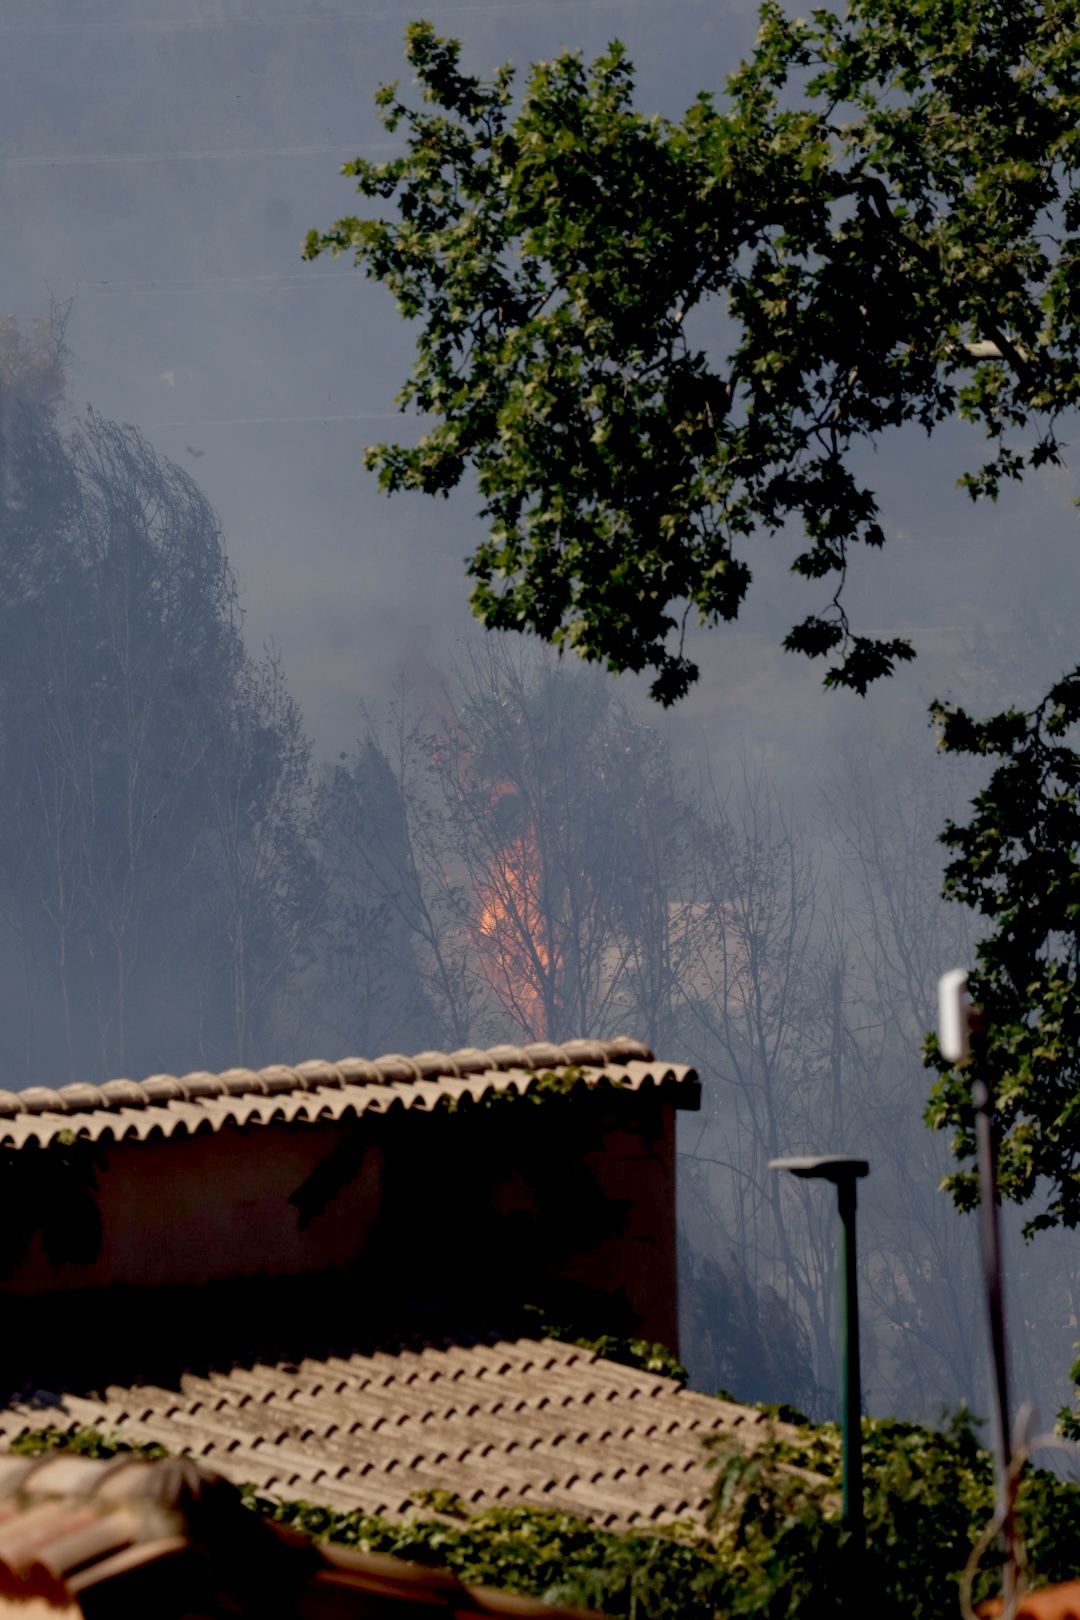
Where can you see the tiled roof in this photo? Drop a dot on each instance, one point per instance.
(167, 1539)
(530, 1421)
(169, 1105)
(1048, 1603)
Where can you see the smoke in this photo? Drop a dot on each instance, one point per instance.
(161, 170)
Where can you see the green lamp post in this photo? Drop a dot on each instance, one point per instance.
(960, 1024)
(843, 1173)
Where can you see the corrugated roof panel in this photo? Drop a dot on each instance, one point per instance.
(171, 1105)
(527, 1421)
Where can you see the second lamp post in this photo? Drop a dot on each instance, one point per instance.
(844, 1173)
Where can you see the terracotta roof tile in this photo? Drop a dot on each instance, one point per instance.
(133, 1537)
(167, 1105)
(515, 1421)
(1048, 1603)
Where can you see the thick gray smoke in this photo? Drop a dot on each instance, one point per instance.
(268, 792)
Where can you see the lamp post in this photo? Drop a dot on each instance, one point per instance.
(843, 1173)
(959, 1025)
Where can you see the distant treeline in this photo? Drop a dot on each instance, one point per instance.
(183, 886)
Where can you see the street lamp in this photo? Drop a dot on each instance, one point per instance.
(844, 1173)
(959, 1025)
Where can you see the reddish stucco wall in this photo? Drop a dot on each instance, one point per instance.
(205, 1208)
(639, 1168)
(469, 1209)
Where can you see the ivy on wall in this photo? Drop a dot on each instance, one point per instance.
(343, 1163)
(643, 1354)
(52, 1191)
(774, 1548)
(84, 1442)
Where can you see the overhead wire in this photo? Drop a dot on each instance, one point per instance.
(58, 160)
(307, 18)
(197, 24)
(264, 421)
(198, 284)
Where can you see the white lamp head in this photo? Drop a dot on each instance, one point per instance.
(954, 1016)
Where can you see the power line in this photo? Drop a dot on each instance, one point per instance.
(305, 19)
(264, 421)
(198, 284)
(56, 160)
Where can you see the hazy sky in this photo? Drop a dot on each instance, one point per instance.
(161, 163)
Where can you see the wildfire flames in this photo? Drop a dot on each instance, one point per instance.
(511, 928)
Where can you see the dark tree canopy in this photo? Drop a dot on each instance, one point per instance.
(650, 342)
(154, 874)
(881, 217)
(1016, 863)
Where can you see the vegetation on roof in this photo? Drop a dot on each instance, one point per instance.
(644, 1354)
(547, 1084)
(85, 1442)
(51, 1192)
(342, 1162)
(539, 1552)
(775, 1548)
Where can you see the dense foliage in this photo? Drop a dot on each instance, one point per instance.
(929, 1497)
(652, 340)
(775, 1547)
(1017, 861)
(84, 1443)
(883, 190)
(155, 879)
(644, 1354)
(540, 1552)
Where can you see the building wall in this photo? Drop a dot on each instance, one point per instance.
(568, 1204)
(197, 1209)
(637, 1169)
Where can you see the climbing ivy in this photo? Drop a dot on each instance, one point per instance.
(85, 1442)
(774, 1547)
(51, 1190)
(541, 1088)
(643, 1354)
(538, 1552)
(341, 1165)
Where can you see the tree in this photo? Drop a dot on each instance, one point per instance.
(370, 986)
(382, 827)
(143, 663)
(155, 885)
(753, 1001)
(889, 250)
(530, 839)
(1018, 863)
(879, 229)
(269, 896)
(565, 816)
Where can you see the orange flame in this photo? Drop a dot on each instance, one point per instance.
(510, 929)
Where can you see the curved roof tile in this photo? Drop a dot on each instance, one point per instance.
(511, 1421)
(125, 1537)
(166, 1105)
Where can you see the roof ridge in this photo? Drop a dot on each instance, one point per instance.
(392, 1068)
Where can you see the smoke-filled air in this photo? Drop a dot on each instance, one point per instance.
(271, 793)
